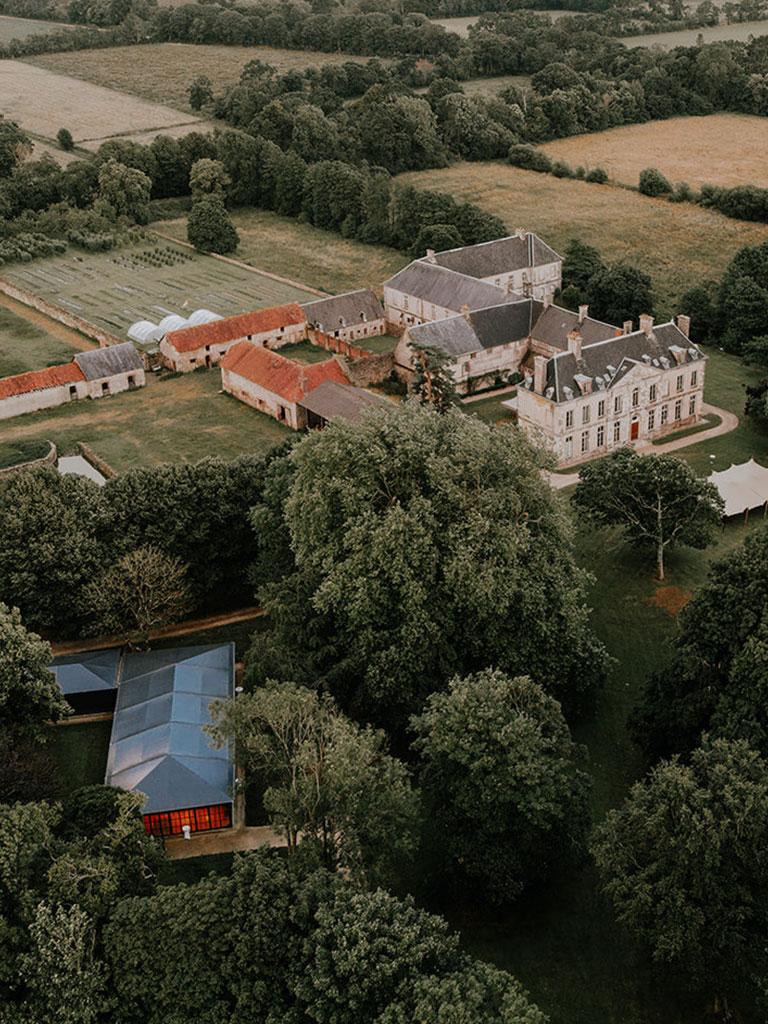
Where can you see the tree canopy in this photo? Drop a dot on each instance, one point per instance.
(683, 862)
(416, 539)
(656, 499)
(209, 226)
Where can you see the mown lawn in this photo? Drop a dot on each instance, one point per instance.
(300, 252)
(172, 419)
(28, 346)
(80, 750)
(490, 410)
(679, 245)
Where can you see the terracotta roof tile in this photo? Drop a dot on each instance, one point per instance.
(221, 331)
(36, 380)
(275, 373)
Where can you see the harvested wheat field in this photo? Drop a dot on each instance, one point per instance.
(42, 102)
(163, 72)
(720, 149)
(678, 244)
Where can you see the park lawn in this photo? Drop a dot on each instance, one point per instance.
(678, 244)
(80, 749)
(720, 149)
(561, 941)
(300, 252)
(724, 386)
(163, 72)
(28, 346)
(172, 419)
(490, 410)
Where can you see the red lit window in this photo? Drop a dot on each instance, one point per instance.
(199, 819)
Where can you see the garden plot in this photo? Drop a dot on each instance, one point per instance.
(42, 102)
(147, 282)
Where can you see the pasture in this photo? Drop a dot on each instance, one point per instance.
(20, 28)
(42, 102)
(720, 149)
(33, 343)
(740, 31)
(172, 419)
(163, 72)
(301, 252)
(679, 245)
(147, 282)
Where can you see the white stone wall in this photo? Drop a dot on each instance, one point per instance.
(552, 420)
(401, 309)
(535, 282)
(265, 401)
(45, 398)
(116, 383)
(368, 329)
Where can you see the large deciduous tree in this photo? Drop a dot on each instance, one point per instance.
(30, 697)
(684, 863)
(619, 293)
(656, 499)
(500, 772)
(326, 778)
(209, 226)
(124, 192)
(433, 383)
(423, 545)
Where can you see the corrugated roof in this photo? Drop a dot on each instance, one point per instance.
(219, 332)
(37, 380)
(158, 746)
(349, 309)
(621, 353)
(106, 362)
(87, 673)
(273, 372)
(500, 256)
(443, 287)
(331, 399)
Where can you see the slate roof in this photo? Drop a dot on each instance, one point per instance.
(446, 288)
(498, 325)
(352, 308)
(38, 380)
(333, 399)
(285, 377)
(158, 746)
(622, 353)
(87, 673)
(108, 361)
(500, 256)
(263, 321)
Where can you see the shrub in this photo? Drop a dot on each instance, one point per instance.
(529, 158)
(579, 172)
(561, 169)
(64, 138)
(597, 175)
(653, 183)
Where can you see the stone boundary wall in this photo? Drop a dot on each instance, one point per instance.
(104, 338)
(45, 460)
(342, 347)
(371, 370)
(95, 460)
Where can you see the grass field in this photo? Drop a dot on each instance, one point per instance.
(300, 252)
(42, 102)
(461, 26)
(490, 410)
(27, 346)
(163, 72)
(688, 37)
(720, 149)
(20, 28)
(176, 419)
(678, 244)
(80, 749)
(115, 289)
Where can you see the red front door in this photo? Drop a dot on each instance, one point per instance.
(633, 430)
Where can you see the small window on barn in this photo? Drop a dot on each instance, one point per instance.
(131, 382)
(105, 387)
(72, 391)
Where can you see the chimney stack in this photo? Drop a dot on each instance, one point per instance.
(583, 312)
(519, 232)
(547, 301)
(627, 326)
(684, 325)
(430, 255)
(574, 344)
(465, 313)
(646, 324)
(539, 374)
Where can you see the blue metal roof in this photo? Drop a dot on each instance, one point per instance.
(158, 746)
(87, 673)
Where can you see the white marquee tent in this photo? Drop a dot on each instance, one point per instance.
(742, 487)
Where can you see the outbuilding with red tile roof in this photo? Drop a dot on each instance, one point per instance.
(207, 344)
(270, 382)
